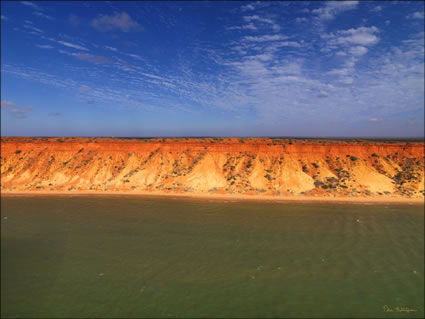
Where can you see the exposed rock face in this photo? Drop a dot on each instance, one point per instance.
(247, 166)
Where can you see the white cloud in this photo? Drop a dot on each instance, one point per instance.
(290, 44)
(280, 89)
(72, 45)
(247, 7)
(119, 21)
(4, 18)
(416, 15)
(358, 51)
(322, 94)
(249, 26)
(263, 38)
(300, 20)
(343, 71)
(257, 18)
(347, 81)
(332, 8)
(360, 36)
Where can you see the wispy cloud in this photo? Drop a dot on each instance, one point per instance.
(54, 114)
(42, 15)
(14, 110)
(301, 19)
(261, 72)
(263, 38)
(376, 9)
(85, 89)
(374, 120)
(72, 45)
(32, 5)
(256, 18)
(111, 48)
(322, 95)
(135, 56)
(98, 59)
(119, 21)
(4, 18)
(248, 7)
(20, 112)
(7, 104)
(249, 26)
(332, 8)
(34, 30)
(44, 46)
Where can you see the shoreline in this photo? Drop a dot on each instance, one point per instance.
(232, 197)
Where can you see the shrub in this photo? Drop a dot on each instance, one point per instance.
(375, 155)
(315, 165)
(332, 180)
(18, 151)
(353, 158)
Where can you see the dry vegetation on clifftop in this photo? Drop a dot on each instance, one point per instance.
(275, 167)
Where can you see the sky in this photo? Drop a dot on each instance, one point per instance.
(204, 68)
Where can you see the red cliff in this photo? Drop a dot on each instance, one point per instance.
(275, 167)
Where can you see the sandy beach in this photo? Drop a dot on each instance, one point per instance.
(231, 197)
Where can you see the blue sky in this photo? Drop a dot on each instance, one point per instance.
(112, 68)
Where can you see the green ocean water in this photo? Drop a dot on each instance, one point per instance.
(118, 256)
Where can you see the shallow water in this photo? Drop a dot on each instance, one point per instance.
(117, 256)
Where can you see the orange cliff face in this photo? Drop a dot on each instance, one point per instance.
(275, 167)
